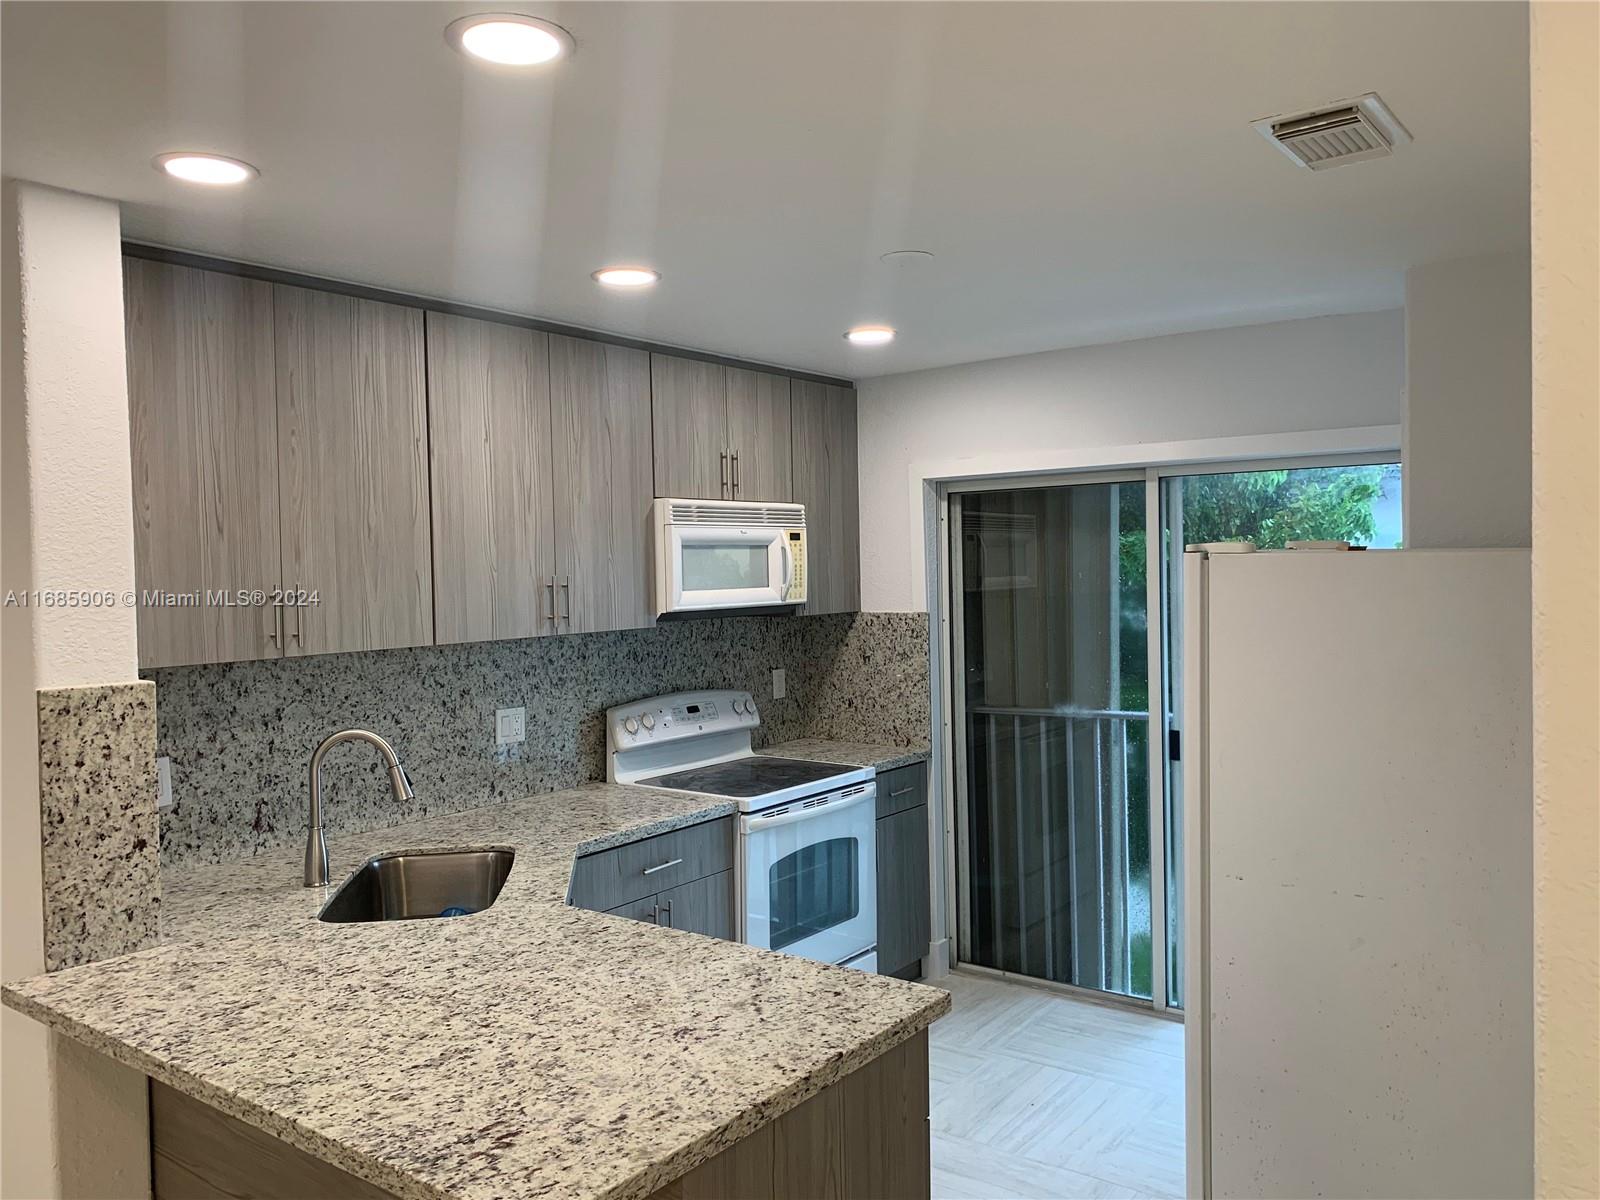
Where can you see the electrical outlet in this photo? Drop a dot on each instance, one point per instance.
(163, 783)
(780, 687)
(510, 726)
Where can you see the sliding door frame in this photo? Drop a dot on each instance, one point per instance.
(946, 616)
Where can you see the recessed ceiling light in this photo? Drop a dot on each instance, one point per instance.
(626, 277)
(870, 335)
(509, 39)
(906, 258)
(214, 169)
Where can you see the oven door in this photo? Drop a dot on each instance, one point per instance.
(809, 876)
(714, 566)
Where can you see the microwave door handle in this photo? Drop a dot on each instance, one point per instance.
(788, 567)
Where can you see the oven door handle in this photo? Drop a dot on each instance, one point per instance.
(756, 823)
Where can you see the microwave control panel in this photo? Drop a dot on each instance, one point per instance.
(795, 593)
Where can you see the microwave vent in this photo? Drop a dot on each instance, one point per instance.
(726, 512)
(1346, 132)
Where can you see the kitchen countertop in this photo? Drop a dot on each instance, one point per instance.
(849, 754)
(532, 1049)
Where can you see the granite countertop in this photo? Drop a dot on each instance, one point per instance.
(532, 1049)
(849, 754)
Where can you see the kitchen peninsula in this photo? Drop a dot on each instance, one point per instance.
(531, 1049)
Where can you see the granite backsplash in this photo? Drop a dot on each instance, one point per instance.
(240, 735)
(97, 821)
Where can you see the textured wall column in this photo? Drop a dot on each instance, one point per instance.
(78, 792)
(1566, 597)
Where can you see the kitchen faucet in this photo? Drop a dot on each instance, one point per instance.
(399, 783)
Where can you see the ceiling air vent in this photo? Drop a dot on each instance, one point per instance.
(1346, 132)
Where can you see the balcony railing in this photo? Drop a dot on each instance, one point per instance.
(1048, 795)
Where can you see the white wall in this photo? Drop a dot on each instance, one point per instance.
(1466, 442)
(1566, 596)
(67, 522)
(1039, 410)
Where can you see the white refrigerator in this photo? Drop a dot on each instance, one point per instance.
(1357, 791)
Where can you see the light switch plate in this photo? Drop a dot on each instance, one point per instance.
(163, 783)
(780, 686)
(510, 726)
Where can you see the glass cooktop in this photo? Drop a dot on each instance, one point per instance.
(748, 778)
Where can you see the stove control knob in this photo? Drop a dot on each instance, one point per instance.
(648, 721)
(631, 725)
(738, 706)
(750, 709)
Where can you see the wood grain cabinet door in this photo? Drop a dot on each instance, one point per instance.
(600, 405)
(353, 471)
(759, 436)
(703, 906)
(690, 414)
(904, 920)
(204, 430)
(493, 495)
(825, 481)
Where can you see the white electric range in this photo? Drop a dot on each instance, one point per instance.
(807, 860)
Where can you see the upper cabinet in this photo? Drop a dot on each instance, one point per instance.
(542, 481)
(600, 407)
(422, 477)
(720, 433)
(826, 482)
(204, 429)
(760, 460)
(690, 405)
(280, 444)
(494, 560)
(353, 472)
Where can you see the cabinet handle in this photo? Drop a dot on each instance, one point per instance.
(662, 866)
(735, 474)
(905, 791)
(297, 606)
(655, 914)
(566, 594)
(723, 459)
(273, 626)
(669, 915)
(551, 585)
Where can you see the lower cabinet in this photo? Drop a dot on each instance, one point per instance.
(702, 906)
(904, 918)
(682, 879)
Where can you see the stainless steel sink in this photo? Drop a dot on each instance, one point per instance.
(435, 883)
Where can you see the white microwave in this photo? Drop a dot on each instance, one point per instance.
(719, 554)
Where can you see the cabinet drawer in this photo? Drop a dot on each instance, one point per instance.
(902, 788)
(613, 877)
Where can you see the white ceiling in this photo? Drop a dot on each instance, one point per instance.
(1083, 172)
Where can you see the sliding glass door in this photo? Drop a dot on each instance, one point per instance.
(1068, 868)
(1054, 854)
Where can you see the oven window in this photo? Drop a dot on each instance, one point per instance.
(813, 889)
(718, 568)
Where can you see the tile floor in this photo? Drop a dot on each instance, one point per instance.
(1039, 1096)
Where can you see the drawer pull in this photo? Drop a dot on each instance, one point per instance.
(662, 866)
(905, 791)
